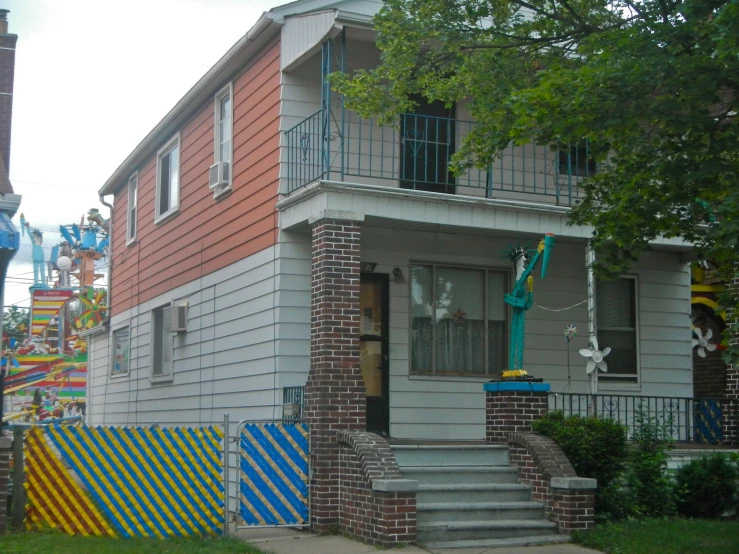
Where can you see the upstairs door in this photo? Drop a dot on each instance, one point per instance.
(427, 142)
(373, 349)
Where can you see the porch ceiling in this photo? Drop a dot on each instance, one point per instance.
(413, 209)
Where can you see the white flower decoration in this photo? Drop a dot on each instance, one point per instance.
(596, 357)
(702, 342)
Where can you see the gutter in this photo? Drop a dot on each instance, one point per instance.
(231, 62)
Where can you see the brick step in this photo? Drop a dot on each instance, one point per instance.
(511, 542)
(461, 474)
(490, 492)
(436, 455)
(477, 511)
(468, 530)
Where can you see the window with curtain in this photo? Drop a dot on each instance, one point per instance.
(121, 351)
(616, 316)
(458, 320)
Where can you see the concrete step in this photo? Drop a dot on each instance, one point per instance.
(511, 542)
(435, 455)
(469, 530)
(491, 492)
(428, 512)
(461, 474)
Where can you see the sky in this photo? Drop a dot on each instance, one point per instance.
(92, 78)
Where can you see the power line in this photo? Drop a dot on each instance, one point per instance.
(50, 185)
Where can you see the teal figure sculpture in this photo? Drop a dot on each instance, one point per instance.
(37, 253)
(522, 296)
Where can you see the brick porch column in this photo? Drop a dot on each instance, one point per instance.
(731, 410)
(335, 396)
(5, 448)
(511, 407)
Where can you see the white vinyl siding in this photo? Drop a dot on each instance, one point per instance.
(168, 180)
(161, 367)
(133, 193)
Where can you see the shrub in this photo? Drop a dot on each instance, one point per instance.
(595, 447)
(707, 486)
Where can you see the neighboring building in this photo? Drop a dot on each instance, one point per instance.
(299, 182)
(9, 201)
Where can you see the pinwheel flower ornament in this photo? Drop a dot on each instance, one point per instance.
(702, 342)
(596, 357)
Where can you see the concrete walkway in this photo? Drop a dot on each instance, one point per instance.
(291, 541)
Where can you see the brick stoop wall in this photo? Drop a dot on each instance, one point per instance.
(568, 498)
(731, 411)
(510, 411)
(377, 505)
(5, 449)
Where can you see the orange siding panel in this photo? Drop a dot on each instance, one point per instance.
(206, 235)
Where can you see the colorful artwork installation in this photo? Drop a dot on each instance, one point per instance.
(137, 482)
(54, 498)
(92, 309)
(45, 306)
(273, 461)
(522, 296)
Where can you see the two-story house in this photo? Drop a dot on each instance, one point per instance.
(259, 205)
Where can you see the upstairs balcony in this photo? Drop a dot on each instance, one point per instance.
(415, 152)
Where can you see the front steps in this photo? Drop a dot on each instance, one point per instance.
(469, 497)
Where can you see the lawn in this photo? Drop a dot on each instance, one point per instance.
(37, 543)
(664, 536)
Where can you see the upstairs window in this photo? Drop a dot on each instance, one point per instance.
(219, 177)
(161, 319)
(133, 193)
(616, 315)
(577, 161)
(168, 180)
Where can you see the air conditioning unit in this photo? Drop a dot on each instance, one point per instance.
(219, 175)
(178, 322)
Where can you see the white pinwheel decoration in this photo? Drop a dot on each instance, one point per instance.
(702, 341)
(596, 357)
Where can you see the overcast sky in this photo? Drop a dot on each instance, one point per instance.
(92, 78)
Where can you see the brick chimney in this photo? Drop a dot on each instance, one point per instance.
(7, 74)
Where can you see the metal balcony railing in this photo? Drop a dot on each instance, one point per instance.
(415, 151)
(697, 420)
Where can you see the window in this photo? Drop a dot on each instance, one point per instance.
(223, 127)
(168, 180)
(121, 351)
(458, 320)
(161, 343)
(616, 315)
(133, 193)
(577, 161)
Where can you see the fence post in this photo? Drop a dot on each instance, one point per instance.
(226, 462)
(19, 489)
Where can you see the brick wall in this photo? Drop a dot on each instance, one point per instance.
(731, 412)
(709, 375)
(377, 506)
(512, 412)
(7, 76)
(5, 448)
(335, 397)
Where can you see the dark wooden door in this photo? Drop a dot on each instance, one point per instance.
(373, 349)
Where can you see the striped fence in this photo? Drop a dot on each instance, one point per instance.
(125, 482)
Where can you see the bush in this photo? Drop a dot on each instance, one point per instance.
(707, 486)
(646, 477)
(595, 447)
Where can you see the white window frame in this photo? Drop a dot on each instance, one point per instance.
(175, 208)
(609, 380)
(164, 376)
(453, 375)
(133, 186)
(228, 89)
(113, 332)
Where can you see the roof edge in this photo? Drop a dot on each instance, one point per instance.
(230, 62)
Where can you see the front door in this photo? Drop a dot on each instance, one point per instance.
(373, 349)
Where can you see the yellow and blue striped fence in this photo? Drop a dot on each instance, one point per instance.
(274, 471)
(137, 481)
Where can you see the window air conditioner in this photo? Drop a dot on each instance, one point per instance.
(219, 174)
(178, 323)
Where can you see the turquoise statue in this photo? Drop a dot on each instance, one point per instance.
(522, 296)
(37, 253)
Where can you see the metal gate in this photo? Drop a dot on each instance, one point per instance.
(274, 474)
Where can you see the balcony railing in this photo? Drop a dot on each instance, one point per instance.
(697, 420)
(415, 151)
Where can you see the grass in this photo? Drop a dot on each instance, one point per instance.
(664, 536)
(38, 543)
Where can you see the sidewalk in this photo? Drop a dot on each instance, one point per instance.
(292, 541)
